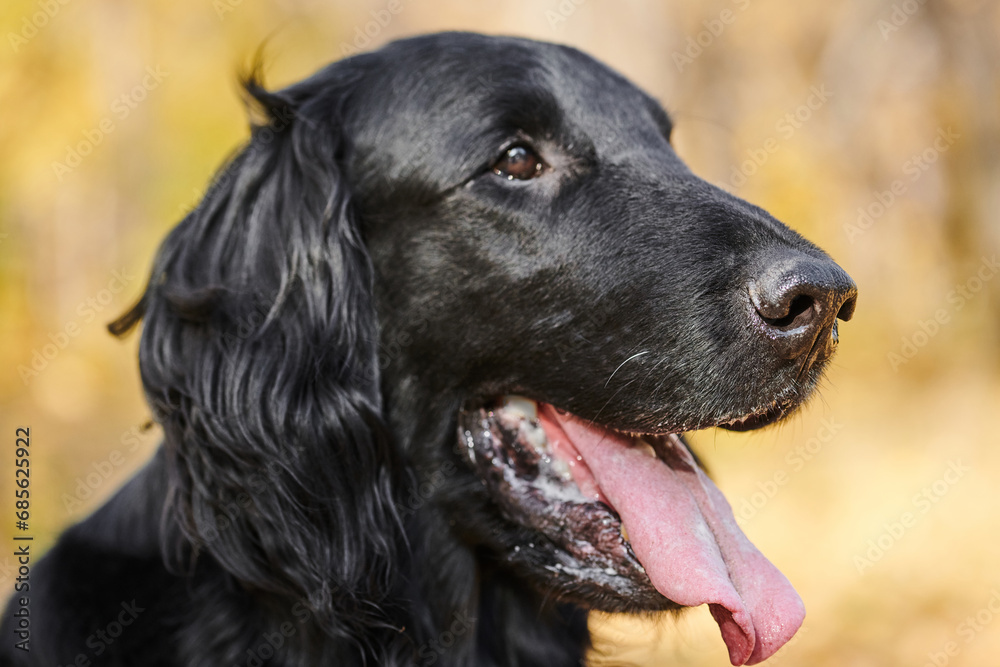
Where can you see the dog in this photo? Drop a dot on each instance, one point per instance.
(424, 355)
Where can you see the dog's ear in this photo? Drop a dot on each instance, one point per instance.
(259, 358)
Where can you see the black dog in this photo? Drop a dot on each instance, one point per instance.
(422, 356)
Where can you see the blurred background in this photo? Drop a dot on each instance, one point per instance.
(872, 127)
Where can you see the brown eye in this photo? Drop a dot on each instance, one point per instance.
(518, 162)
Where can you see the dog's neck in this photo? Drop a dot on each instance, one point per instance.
(476, 614)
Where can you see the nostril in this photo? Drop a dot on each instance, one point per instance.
(783, 307)
(800, 312)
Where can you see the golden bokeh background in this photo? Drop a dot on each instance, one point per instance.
(872, 127)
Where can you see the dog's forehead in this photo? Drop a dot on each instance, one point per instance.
(455, 102)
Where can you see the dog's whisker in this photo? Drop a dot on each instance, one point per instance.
(634, 356)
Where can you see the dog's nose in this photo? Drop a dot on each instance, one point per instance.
(798, 302)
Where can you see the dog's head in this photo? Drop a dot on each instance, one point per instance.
(481, 256)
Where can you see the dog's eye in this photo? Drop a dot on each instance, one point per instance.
(518, 162)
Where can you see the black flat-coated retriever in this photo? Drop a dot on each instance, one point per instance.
(423, 356)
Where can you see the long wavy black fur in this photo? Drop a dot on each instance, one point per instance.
(258, 357)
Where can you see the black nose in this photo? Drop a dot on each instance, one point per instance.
(798, 301)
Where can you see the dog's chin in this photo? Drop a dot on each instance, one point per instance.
(578, 489)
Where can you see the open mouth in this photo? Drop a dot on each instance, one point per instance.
(632, 517)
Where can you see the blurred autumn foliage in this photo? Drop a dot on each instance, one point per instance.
(873, 128)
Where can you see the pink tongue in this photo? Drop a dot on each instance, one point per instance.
(683, 532)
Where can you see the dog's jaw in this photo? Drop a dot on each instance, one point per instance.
(580, 545)
(628, 517)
